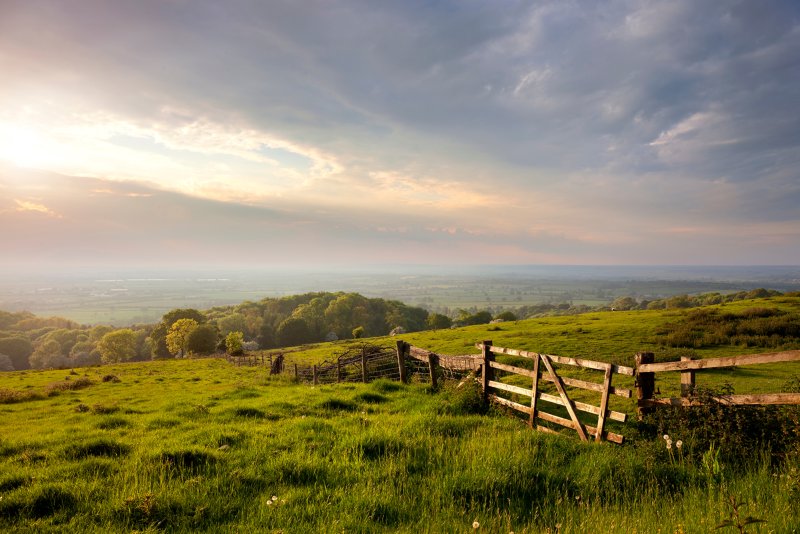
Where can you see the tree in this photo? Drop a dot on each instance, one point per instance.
(5, 363)
(358, 332)
(624, 303)
(347, 312)
(19, 349)
(437, 320)
(293, 331)
(118, 346)
(506, 316)
(233, 343)
(235, 322)
(158, 337)
(177, 335)
(202, 340)
(84, 353)
(48, 355)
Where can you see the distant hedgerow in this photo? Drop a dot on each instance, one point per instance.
(753, 327)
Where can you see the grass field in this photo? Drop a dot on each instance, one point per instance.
(200, 445)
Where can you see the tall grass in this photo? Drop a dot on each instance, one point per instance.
(189, 455)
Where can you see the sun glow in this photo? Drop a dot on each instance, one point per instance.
(22, 146)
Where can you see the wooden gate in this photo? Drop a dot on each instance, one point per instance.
(545, 370)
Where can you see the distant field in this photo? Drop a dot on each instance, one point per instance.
(143, 298)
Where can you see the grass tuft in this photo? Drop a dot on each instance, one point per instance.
(340, 405)
(98, 447)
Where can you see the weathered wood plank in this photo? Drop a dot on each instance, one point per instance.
(591, 386)
(511, 404)
(567, 403)
(587, 408)
(550, 418)
(535, 390)
(601, 417)
(508, 387)
(577, 362)
(512, 369)
(728, 361)
(754, 400)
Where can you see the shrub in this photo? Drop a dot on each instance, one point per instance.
(736, 431)
(55, 388)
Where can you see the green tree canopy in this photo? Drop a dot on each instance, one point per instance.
(293, 331)
(48, 355)
(118, 346)
(202, 340)
(178, 335)
(158, 337)
(19, 349)
(233, 343)
(437, 320)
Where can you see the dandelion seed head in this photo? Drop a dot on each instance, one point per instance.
(678, 444)
(475, 525)
(666, 437)
(669, 445)
(274, 497)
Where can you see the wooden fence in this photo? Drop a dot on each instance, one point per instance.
(366, 362)
(549, 386)
(646, 371)
(544, 369)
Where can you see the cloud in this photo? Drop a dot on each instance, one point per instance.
(28, 206)
(570, 125)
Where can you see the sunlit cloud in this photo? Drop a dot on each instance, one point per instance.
(555, 131)
(25, 205)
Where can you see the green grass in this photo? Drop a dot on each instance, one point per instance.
(200, 445)
(162, 450)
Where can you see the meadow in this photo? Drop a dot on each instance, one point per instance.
(201, 445)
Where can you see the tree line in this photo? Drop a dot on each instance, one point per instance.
(28, 341)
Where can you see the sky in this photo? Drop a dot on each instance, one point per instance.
(253, 133)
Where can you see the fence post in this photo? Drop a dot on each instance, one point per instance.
(401, 360)
(296, 375)
(645, 383)
(687, 379)
(433, 365)
(315, 375)
(364, 365)
(338, 369)
(486, 373)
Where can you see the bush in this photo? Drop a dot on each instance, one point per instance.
(735, 431)
(462, 399)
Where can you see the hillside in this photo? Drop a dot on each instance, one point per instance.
(201, 445)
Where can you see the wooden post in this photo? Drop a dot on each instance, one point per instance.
(364, 365)
(433, 365)
(486, 373)
(315, 375)
(645, 383)
(401, 360)
(296, 375)
(687, 379)
(601, 418)
(338, 369)
(535, 389)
